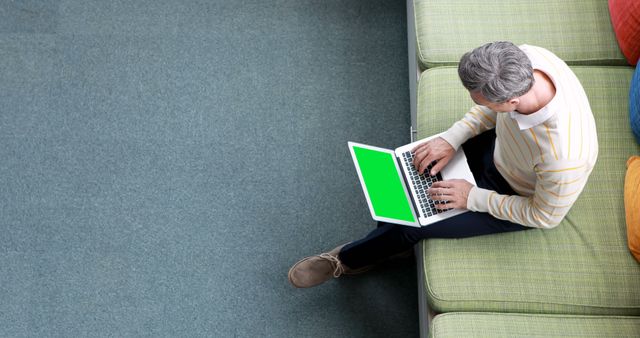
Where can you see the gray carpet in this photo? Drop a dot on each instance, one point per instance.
(163, 163)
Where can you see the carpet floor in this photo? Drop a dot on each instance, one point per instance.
(163, 163)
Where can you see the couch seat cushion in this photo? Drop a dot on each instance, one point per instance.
(516, 325)
(578, 31)
(583, 266)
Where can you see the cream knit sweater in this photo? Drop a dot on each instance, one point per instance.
(546, 157)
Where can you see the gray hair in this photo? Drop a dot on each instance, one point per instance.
(499, 70)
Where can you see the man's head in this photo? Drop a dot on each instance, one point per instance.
(496, 75)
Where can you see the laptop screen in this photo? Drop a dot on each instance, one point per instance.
(383, 184)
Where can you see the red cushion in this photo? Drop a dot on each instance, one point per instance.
(625, 16)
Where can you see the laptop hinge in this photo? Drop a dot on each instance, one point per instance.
(416, 208)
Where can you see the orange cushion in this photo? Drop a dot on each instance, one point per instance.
(632, 205)
(625, 17)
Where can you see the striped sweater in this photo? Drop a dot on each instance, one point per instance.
(546, 157)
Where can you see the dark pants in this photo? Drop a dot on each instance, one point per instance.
(390, 239)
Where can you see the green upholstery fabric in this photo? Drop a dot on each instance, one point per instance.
(517, 325)
(583, 266)
(578, 31)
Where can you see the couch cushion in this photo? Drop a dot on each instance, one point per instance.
(515, 325)
(581, 267)
(578, 31)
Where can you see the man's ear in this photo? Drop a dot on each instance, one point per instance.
(514, 101)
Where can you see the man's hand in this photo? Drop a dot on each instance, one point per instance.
(437, 150)
(455, 192)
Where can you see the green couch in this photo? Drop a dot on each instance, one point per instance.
(578, 278)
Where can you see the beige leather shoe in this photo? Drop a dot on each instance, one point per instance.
(315, 270)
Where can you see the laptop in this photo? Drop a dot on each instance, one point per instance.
(396, 192)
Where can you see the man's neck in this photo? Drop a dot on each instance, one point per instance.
(538, 96)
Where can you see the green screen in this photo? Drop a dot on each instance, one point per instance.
(383, 184)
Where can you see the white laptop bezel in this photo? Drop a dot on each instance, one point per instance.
(402, 181)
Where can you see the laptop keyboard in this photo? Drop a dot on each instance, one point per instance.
(422, 183)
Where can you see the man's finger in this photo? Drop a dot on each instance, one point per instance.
(444, 205)
(436, 185)
(441, 197)
(436, 168)
(419, 156)
(421, 145)
(431, 159)
(438, 190)
(442, 184)
(426, 162)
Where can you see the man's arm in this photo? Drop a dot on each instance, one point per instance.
(443, 148)
(558, 186)
(478, 120)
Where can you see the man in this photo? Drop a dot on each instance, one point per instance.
(531, 144)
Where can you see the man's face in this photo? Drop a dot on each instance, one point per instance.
(503, 107)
